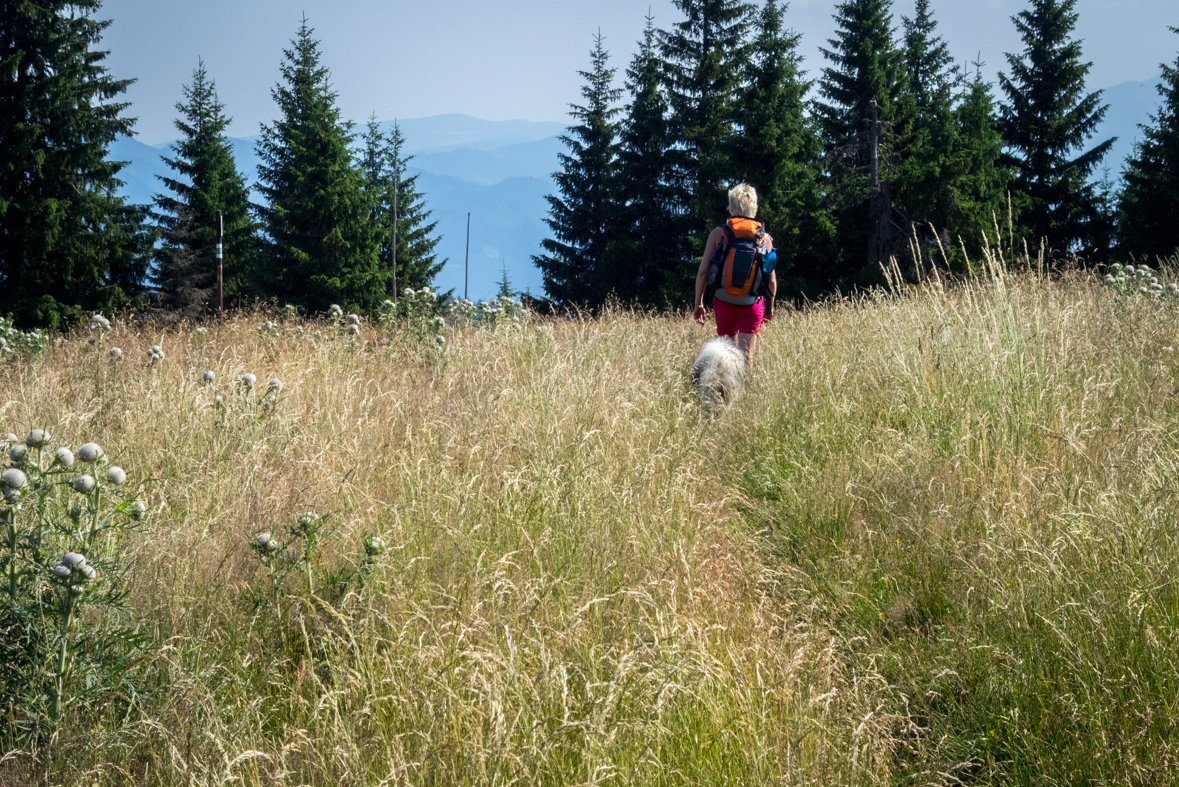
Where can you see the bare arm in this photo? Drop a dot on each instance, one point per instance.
(714, 239)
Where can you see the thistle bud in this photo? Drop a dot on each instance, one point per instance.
(88, 572)
(116, 476)
(11, 495)
(353, 330)
(84, 484)
(248, 380)
(208, 377)
(10, 438)
(138, 510)
(37, 438)
(354, 319)
(64, 457)
(77, 590)
(73, 560)
(61, 571)
(14, 479)
(90, 452)
(116, 354)
(274, 385)
(263, 540)
(217, 400)
(18, 453)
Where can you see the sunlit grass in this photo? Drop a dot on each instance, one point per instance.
(565, 595)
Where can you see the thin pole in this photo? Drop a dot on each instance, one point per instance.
(396, 184)
(875, 184)
(467, 263)
(220, 262)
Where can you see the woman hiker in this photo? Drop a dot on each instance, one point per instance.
(737, 300)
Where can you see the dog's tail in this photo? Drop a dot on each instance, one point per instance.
(719, 372)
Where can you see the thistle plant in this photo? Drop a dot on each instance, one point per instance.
(297, 553)
(14, 342)
(61, 502)
(155, 355)
(242, 399)
(1140, 280)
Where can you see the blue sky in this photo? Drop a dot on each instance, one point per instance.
(513, 60)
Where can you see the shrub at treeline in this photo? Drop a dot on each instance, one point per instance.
(900, 149)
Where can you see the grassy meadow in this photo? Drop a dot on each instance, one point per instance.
(932, 544)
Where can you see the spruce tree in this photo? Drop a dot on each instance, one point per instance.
(68, 245)
(1148, 213)
(704, 56)
(323, 245)
(775, 150)
(207, 183)
(949, 175)
(865, 80)
(1048, 118)
(928, 71)
(583, 214)
(644, 239)
(388, 184)
(866, 66)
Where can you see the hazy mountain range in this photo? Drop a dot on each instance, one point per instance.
(500, 172)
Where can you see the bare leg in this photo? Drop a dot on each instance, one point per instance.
(747, 343)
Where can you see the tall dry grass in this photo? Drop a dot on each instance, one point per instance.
(567, 598)
(976, 487)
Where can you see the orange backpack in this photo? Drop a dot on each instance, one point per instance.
(736, 266)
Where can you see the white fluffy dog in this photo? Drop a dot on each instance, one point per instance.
(719, 372)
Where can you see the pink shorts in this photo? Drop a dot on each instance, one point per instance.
(732, 320)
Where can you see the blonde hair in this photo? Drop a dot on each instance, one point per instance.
(743, 201)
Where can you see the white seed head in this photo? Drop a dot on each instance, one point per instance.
(353, 330)
(248, 380)
(18, 453)
(116, 475)
(335, 310)
(116, 354)
(274, 385)
(208, 377)
(439, 321)
(201, 329)
(354, 319)
(15, 479)
(388, 304)
(263, 539)
(84, 484)
(1109, 279)
(61, 571)
(217, 400)
(64, 457)
(90, 452)
(73, 560)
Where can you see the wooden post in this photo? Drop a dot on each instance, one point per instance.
(467, 262)
(396, 183)
(220, 262)
(875, 145)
